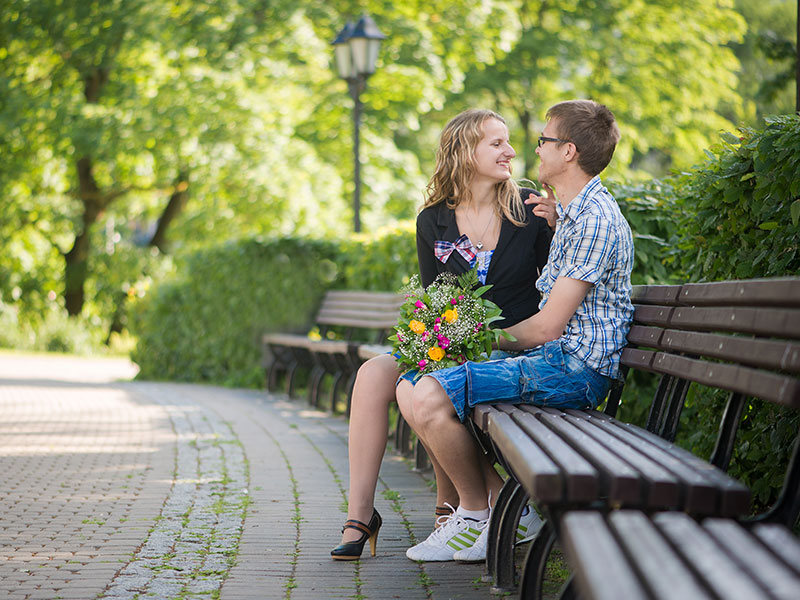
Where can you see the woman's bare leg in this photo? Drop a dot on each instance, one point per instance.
(369, 429)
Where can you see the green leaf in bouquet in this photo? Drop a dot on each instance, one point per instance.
(481, 290)
(492, 319)
(487, 346)
(505, 334)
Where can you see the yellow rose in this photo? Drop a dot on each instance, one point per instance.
(416, 326)
(450, 315)
(436, 353)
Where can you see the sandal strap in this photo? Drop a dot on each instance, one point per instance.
(354, 524)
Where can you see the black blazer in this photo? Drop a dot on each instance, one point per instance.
(518, 259)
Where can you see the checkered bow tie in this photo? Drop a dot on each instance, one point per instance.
(443, 249)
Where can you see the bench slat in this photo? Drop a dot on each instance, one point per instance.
(653, 315)
(781, 389)
(755, 292)
(536, 472)
(638, 359)
(754, 558)
(619, 482)
(778, 322)
(661, 486)
(666, 574)
(642, 335)
(580, 477)
(656, 294)
(754, 352)
(699, 486)
(702, 554)
(602, 570)
(780, 540)
(351, 296)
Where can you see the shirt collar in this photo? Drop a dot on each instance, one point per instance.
(582, 200)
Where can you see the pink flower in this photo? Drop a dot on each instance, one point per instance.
(421, 364)
(453, 301)
(436, 327)
(419, 304)
(400, 338)
(437, 320)
(461, 297)
(425, 336)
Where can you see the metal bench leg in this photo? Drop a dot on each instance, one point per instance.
(507, 538)
(337, 378)
(494, 526)
(314, 385)
(351, 382)
(530, 586)
(291, 372)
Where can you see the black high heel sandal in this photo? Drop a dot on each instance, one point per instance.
(353, 550)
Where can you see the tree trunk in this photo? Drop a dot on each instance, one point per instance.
(177, 201)
(76, 266)
(527, 148)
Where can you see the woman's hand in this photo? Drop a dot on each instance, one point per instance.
(545, 206)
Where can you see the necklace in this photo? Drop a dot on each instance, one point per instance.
(479, 242)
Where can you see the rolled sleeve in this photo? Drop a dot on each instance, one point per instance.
(587, 256)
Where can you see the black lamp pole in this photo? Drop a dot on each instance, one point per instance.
(356, 50)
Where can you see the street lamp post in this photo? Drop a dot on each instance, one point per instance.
(356, 51)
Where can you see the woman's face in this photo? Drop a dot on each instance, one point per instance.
(493, 153)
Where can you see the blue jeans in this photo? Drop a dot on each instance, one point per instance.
(544, 376)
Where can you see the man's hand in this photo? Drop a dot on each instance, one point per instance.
(549, 323)
(544, 206)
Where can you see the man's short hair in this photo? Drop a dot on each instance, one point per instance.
(591, 127)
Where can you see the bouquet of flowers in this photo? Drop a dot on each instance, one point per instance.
(445, 324)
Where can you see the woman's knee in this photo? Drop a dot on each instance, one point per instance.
(376, 379)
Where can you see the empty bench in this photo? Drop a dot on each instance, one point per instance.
(347, 320)
(624, 500)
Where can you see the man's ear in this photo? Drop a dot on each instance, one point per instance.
(570, 151)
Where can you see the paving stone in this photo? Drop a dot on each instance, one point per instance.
(120, 489)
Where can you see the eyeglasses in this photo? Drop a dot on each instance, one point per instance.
(543, 139)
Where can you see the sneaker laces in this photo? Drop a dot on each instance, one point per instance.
(448, 526)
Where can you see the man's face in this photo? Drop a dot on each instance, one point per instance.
(551, 162)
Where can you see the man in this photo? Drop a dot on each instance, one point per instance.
(576, 337)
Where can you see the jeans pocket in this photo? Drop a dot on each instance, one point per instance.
(542, 371)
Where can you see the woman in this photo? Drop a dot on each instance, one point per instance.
(473, 216)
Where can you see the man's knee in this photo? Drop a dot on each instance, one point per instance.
(430, 402)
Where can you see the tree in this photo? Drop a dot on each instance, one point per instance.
(663, 67)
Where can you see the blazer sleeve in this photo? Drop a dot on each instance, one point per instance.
(426, 234)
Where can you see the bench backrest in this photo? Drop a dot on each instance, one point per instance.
(739, 336)
(376, 311)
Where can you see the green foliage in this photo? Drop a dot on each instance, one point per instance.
(731, 217)
(382, 261)
(206, 324)
(647, 209)
(53, 331)
(736, 215)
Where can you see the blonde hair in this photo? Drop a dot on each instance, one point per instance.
(455, 167)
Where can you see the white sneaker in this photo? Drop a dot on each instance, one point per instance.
(529, 525)
(453, 534)
(476, 552)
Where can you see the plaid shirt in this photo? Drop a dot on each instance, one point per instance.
(593, 243)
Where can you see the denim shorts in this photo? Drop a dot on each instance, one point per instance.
(544, 376)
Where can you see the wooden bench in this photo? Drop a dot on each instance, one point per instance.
(348, 321)
(622, 499)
